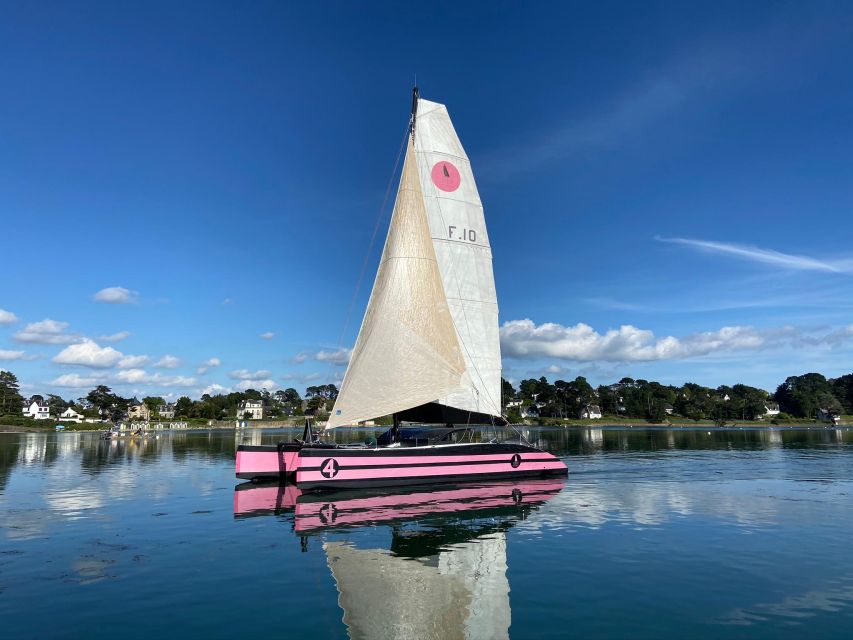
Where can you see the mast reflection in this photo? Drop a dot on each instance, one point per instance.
(445, 573)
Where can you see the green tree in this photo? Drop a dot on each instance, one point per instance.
(184, 407)
(152, 402)
(108, 404)
(57, 404)
(10, 396)
(803, 395)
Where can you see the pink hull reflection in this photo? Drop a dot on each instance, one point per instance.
(313, 511)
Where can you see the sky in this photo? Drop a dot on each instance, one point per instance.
(188, 191)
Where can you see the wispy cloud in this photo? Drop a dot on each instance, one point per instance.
(6, 354)
(526, 340)
(46, 331)
(140, 376)
(267, 335)
(116, 295)
(207, 365)
(115, 337)
(338, 356)
(704, 74)
(168, 362)
(766, 256)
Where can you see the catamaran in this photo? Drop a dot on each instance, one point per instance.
(428, 350)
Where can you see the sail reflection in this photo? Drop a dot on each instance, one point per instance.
(445, 572)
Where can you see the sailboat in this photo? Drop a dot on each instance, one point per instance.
(428, 350)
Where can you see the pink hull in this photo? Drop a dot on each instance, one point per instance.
(317, 511)
(377, 467)
(258, 464)
(354, 512)
(320, 467)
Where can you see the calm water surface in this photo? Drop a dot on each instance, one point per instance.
(656, 533)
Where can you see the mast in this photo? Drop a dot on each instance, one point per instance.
(415, 97)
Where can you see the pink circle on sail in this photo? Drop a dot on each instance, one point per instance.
(445, 176)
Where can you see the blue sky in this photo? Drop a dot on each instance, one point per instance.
(188, 191)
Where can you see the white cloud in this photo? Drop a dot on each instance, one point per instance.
(525, 339)
(261, 379)
(214, 389)
(766, 256)
(75, 381)
(5, 354)
(89, 354)
(7, 317)
(207, 365)
(267, 384)
(46, 332)
(132, 376)
(168, 362)
(115, 337)
(299, 358)
(140, 376)
(116, 295)
(267, 335)
(339, 356)
(131, 362)
(245, 374)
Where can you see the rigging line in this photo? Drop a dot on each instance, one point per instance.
(379, 217)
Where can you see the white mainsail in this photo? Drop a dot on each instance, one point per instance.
(407, 352)
(458, 229)
(430, 332)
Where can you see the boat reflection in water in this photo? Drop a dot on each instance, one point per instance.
(445, 574)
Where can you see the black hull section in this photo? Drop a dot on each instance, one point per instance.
(333, 485)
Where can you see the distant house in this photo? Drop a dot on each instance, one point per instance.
(513, 403)
(70, 415)
(139, 411)
(166, 411)
(590, 412)
(669, 409)
(530, 411)
(255, 409)
(37, 411)
(771, 409)
(826, 415)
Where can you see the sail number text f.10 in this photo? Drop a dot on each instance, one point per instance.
(460, 233)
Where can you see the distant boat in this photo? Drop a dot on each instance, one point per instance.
(428, 349)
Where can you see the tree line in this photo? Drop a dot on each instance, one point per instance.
(801, 396)
(798, 397)
(103, 402)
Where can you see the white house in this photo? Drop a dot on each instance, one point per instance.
(166, 411)
(771, 409)
(590, 411)
(255, 409)
(826, 415)
(530, 411)
(139, 411)
(37, 411)
(69, 415)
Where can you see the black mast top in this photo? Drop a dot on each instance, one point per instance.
(415, 96)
